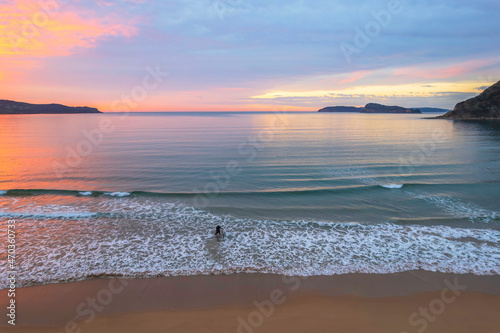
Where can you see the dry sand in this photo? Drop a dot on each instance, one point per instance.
(247, 303)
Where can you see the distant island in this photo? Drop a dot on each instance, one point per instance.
(371, 108)
(11, 107)
(341, 109)
(429, 110)
(379, 108)
(484, 106)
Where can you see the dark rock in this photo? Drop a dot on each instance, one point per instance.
(429, 110)
(341, 109)
(11, 107)
(379, 108)
(484, 106)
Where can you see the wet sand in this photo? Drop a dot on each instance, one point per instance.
(403, 302)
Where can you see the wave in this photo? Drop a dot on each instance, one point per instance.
(118, 194)
(453, 206)
(111, 194)
(457, 208)
(80, 193)
(395, 186)
(293, 191)
(146, 238)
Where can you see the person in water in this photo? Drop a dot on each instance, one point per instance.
(219, 232)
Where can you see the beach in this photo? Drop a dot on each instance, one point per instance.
(403, 302)
(231, 166)
(319, 237)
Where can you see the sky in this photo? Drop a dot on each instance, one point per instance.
(242, 55)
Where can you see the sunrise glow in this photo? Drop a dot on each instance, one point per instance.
(96, 53)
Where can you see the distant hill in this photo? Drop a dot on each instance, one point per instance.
(371, 108)
(11, 107)
(379, 108)
(429, 110)
(484, 106)
(341, 109)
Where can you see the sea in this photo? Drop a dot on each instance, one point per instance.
(297, 193)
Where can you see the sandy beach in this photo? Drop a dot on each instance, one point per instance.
(236, 166)
(404, 302)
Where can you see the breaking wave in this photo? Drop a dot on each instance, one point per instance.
(142, 237)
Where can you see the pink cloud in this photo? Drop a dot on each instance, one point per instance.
(355, 77)
(443, 72)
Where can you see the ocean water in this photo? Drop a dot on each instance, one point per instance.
(140, 194)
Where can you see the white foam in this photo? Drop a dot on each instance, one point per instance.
(147, 237)
(453, 206)
(118, 194)
(85, 193)
(3, 192)
(393, 186)
(458, 208)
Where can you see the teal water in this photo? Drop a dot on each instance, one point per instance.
(298, 193)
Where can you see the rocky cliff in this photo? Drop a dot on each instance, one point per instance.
(484, 106)
(11, 107)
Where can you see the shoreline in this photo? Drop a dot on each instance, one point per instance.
(452, 118)
(56, 305)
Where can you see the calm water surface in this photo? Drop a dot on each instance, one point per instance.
(298, 193)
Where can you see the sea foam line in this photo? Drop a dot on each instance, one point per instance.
(155, 238)
(118, 194)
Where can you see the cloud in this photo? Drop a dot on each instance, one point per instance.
(48, 28)
(443, 94)
(433, 71)
(354, 77)
(260, 47)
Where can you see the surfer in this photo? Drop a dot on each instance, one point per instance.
(219, 231)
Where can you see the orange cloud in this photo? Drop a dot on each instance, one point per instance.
(47, 28)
